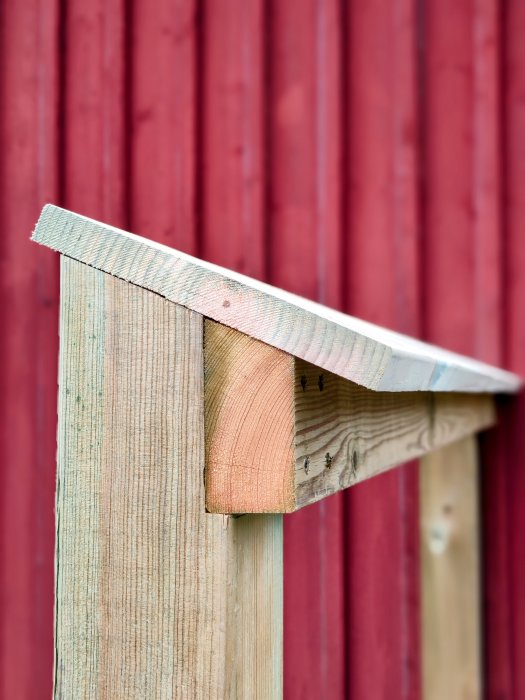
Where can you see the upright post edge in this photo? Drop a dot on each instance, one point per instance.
(451, 586)
(154, 596)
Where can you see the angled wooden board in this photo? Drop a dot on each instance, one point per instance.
(368, 355)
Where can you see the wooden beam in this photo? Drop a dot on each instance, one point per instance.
(154, 597)
(282, 433)
(450, 585)
(345, 433)
(249, 419)
(368, 355)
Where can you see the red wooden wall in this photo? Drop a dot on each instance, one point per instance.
(366, 153)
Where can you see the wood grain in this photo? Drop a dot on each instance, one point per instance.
(282, 434)
(450, 585)
(254, 631)
(249, 419)
(361, 352)
(345, 433)
(154, 597)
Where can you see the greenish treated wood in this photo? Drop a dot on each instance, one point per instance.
(450, 573)
(155, 598)
(366, 354)
(254, 619)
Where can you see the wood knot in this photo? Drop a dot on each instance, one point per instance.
(354, 460)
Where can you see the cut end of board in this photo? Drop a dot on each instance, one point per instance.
(249, 424)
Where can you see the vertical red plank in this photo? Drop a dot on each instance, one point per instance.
(448, 225)
(514, 96)
(293, 254)
(516, 321)
(450, 131)
(305, 257)
(28, 349)
(383, 656)
(233, 131)
(94, 174)
(515, 172)
(383, 214)
(486, 183)
(163, 122)
(489, 341)
(515, 499)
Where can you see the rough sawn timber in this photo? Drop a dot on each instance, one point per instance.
(282, 433)
(451, 586)
(155, 598)
(366, 354)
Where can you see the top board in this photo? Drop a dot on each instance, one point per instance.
(364, 353)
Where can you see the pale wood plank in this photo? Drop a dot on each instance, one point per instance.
(345, 433)
(451, 627)
(254, 639)
(154, 597)
(373, 357)
(282, 433)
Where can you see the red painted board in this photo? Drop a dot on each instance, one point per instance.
(503, 457)
(516, 497)
(314, 620)
(449, 203)
(28, 348)
(94, 175)
(382, 205)
(162, 122)
(504, 484)
(304, 247)
(487, 186)
(233, 135)
(497, 601)
(382, 547)
(515, 289)
(514, 172)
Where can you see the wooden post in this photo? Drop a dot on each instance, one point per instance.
(155, 598)
(450, 573)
